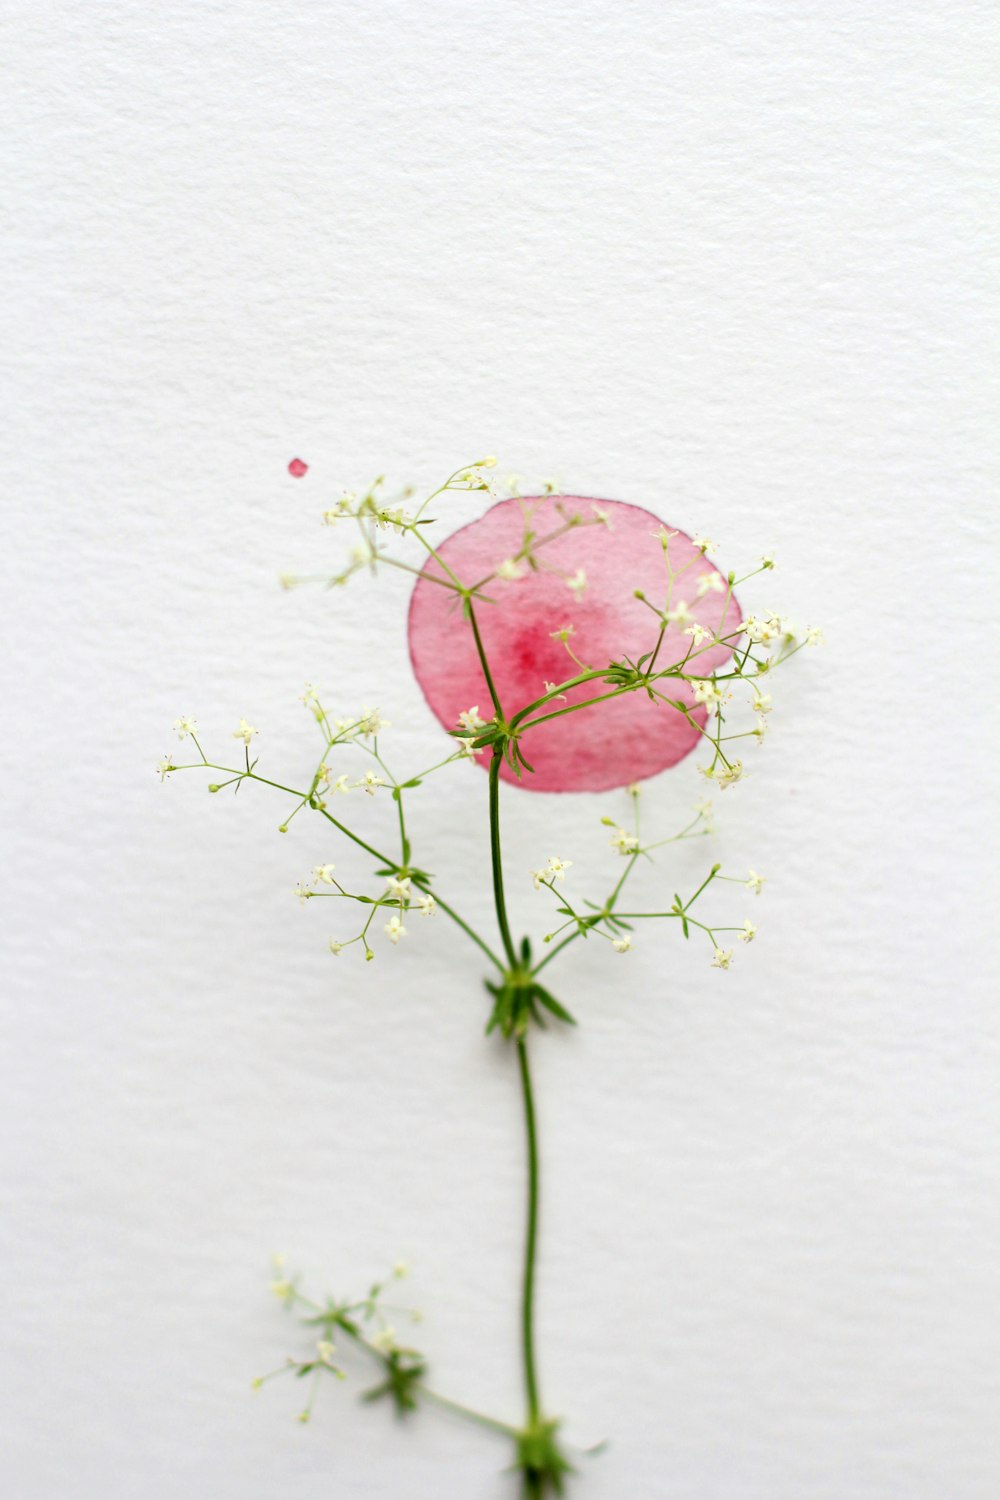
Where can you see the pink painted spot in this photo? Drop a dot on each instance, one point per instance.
(601, 746)
(297, 468)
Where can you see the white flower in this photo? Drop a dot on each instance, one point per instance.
(622, 944)
(577, 584)
(164, 768)
(394, 929)
(814, 635)
(761, 728)
(767, 561)
(602, 516)
(663, 536)
(538, 878)
(723, 958)
(761, 702)
(510, 569)
(324, 873)
(711, 583)
(749, 931)
(425, 904)
(302, 891)
(763, 630)
(325, 1350)
(371, 722)
(470, 721)
(331, 516)
(704, 808)
(704, 544)
(755, 882)
(729, 775)
(698, 633)
(398, 887)
(385, 1340)
(400, 1270)
(679, 615)
(489, 462)
(624, 842)
(468, 750)
(310, 696)
(550, 687)
(557, 867)
(341, 785)
(706, 692)
(336, 948)
(185, 726)
(245, 732)
(370, 782)
(563, 634)
(283, 1290)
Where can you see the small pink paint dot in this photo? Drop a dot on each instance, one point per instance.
(297, 468)
(604, 745)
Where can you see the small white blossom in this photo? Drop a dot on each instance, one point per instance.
(510, 569)
(550, 687)
(602, 516)
(470, 721)
(749, 931)
(761, 631)
(341, 785)
(245, 732)
(622, 944)
(679, 615)
(760, 729)
(711, 583)
(425, 904)
(704, 544)
(663, 536)
(557, 867)
(185, 726)
(698, 633)
(707, 692)
(370, 782)
(302, 891)
(165, 767)
(325, 1350)
(309, 697)
(814, 636)
(755, 882)
(729, 775)
(336, 948)
(624, 842)
(283, 1290)
(761, 702)
(767, 561)
(385, 1340)
(577, 584)
(394, 929)
(489, 462)
(562, 634)
(400, 1270)
(398, 887)
(723, 958)
(324, 874)
(372, 722)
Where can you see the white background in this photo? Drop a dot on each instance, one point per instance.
(724, 260)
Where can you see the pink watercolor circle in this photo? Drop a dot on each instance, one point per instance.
(604, 745)
(298, 468)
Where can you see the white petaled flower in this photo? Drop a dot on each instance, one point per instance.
(624, 842)
(401, 1270)
(538, 878)
(341, 785)
(283, 1290)
(767, 561)
(729, 775)
(709, 772)
(245, 732)
(468, 750)
(332, 516)
(814, 635)
(470, 721)
(760, 728)
(563, 634)
(372, 722)
(663, 536)
(622, 944)
(698, 633)
(302, 891)
(385, 1340)
(761, 703)
(749, 931)
(761, 631)
(679, 615)
(164, 768)
(755, 882)
(577, 584)
(185, 726)
(510, 569)
(425, 904)
(489, 462)
(704, 808)
(711, 583)
(722, 959)
(323, 773)
(556, 868)
(370, 782)
(704, 544)
(398, 887)
(336, 948)
(310, 696)
(325, 1350)
(550, 687)
(602, 516)
(394, 929)
(324, 873)
(707, 692)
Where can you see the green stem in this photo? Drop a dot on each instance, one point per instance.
(498, 896)
(530, 1240)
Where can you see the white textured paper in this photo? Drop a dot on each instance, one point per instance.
(727, 261)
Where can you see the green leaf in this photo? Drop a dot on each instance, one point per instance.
(552, 1004)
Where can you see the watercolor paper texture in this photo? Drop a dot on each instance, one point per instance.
(727, 261)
